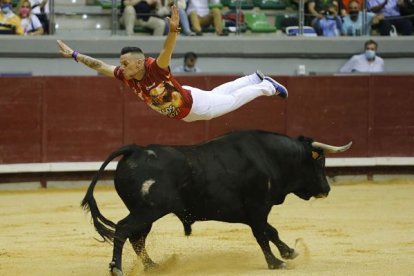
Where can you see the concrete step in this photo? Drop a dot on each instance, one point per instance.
(75, 2)
(84, 33)
(77, 9)
(83, 22)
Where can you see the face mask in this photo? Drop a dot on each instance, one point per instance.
(24, 12)
(188, 69)
(5, 8)
(369, 54)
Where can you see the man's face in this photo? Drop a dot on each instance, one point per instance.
(353, 7)
(190, 62)
(132, 64)
(371, 47)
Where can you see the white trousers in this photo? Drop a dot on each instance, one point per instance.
(226, 97)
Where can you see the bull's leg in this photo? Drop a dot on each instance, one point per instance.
(121, 234)
(285, 251)
(259, 232)
(138, 243)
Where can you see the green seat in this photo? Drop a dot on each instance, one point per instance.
(215, 5)
(272, 4)
(107, 4)
(139, 29)
(280, 17)
(258, 23)
(232, 4)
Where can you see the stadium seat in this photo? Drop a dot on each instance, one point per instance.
(258, 23)
(107, 4)
(294, 31)
(271, 4)
(232, 4)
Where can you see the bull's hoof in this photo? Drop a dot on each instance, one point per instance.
(290, 255)
(116, 272)
(150, 265)
(279, 265)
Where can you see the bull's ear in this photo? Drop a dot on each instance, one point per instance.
(315, 155)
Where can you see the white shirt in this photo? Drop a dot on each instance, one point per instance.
(30, 23)
(200, 6)
(359, 63)
(183, 69)
(36, 10)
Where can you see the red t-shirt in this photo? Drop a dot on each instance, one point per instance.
(159, 90)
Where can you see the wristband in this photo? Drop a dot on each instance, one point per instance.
(75, 55)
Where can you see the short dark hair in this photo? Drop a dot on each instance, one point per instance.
(371, 42)
(128, 49)
(190, 55)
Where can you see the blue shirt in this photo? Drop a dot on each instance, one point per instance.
(354, 28)
(391, 9)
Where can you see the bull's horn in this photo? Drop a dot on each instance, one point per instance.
(331, 149)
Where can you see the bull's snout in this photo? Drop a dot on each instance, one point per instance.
(322, 195)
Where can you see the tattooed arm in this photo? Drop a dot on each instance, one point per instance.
(95, 64)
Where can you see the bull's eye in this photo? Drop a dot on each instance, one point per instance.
(315, 155)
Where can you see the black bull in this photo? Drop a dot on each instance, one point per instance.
(234, 178)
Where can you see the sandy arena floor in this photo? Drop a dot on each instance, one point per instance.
(363, 228)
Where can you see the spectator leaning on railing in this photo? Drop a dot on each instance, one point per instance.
(9, 21)
(367, 62)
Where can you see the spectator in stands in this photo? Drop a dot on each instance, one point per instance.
(367, 62)
(151, 80)
(391, 11)
(142, 13)
(326, 21)
(345, 6)
(9, 21)
(165, 10)
(40, 8)
(202, 16)
(352, 23)
(189, 64)
(30, 23)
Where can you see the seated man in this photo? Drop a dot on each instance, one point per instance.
(352, 23)
(325, 19)
(367, 62)
(9, 22)
(202, 16)
(141, 13)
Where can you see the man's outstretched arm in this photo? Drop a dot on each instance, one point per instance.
(164, 58)
(95, 64)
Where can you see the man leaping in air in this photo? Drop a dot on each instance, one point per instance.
(151, 80)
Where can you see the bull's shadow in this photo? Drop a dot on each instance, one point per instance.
(235, 178)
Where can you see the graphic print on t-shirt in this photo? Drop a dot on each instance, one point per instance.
(165, 99)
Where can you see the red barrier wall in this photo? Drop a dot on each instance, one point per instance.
(50, 119)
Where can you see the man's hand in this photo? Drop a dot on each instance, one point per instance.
(64, 49)
(174, 20)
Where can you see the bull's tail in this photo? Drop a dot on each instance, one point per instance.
(103, 226)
